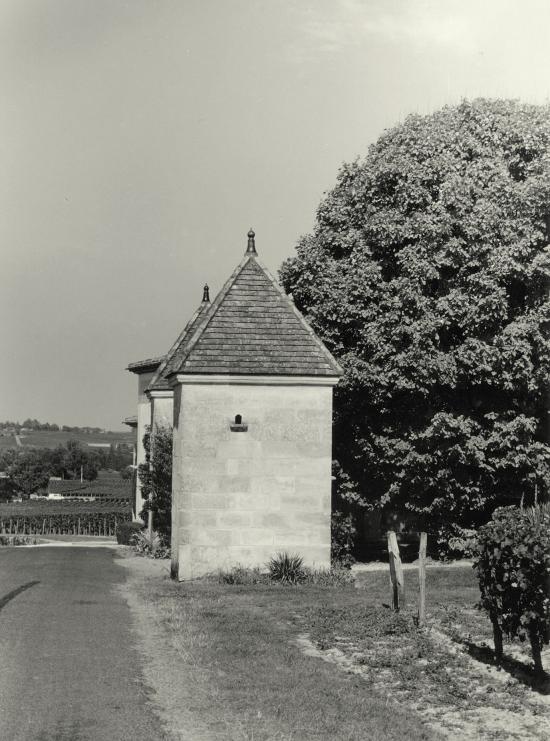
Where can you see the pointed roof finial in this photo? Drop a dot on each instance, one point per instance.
(206, 294)
(251, 248)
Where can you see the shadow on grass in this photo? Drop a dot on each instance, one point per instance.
(516, 669)
(15, 592)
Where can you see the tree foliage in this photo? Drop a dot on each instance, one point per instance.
(155, 476)
(29, 469)
(427, 276)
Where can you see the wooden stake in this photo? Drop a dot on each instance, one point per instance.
(422, 579)
(396, 571)
(150, 526)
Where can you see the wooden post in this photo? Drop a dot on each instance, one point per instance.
(396, 571)
(150, 526)
(422, 579)
(536, 652)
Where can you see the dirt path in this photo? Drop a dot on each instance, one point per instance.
(163, 669)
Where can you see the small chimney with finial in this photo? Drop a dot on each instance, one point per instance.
(251, 248)
(206, 294)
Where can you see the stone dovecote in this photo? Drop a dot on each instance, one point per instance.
(252, 412)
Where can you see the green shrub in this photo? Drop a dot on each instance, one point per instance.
(143, 546)
(337, 576)
(125, 530)
(155, 476)
(343, 533)
(17, 540)
(242, 575)
(287, 568)
(512, 561)
(453, 542)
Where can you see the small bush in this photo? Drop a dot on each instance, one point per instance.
(342, 537)
(155, 476)
(512, 563)
(287, 568)
(454, 542)
(126, 530)
(242, 575)
(17, 540)
(155, 548)
(334, 577)
(337, 576)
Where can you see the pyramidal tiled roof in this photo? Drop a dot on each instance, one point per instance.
(252, 328)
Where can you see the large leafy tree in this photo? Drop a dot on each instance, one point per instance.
(29, 469)
(28, 472)
(78, 459)
(427, 275)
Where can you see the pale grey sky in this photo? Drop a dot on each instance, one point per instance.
(140, 139)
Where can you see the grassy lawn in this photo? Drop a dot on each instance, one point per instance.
(273, 663)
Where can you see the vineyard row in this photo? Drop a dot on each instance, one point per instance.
(91, 523)
(60, 507)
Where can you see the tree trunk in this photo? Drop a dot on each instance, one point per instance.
(497, 636)
(422, 579)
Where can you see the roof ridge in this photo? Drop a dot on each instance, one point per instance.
(213, 309)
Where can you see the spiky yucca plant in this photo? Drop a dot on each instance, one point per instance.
(287, 568)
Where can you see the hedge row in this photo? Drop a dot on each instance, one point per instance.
(45, 508)
(513, 567)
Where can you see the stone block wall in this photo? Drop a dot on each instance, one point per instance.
(241, 496)
(162, 409)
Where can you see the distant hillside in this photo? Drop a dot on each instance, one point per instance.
(34, 425)
(25, 437)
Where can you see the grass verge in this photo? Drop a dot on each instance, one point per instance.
(250, 662)
(249, 680)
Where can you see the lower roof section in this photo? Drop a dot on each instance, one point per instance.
(145, 366)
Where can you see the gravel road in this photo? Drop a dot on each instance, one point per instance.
(71, 668)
